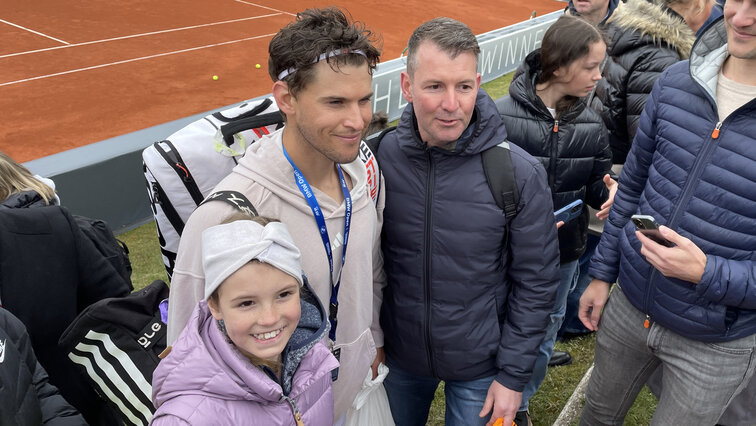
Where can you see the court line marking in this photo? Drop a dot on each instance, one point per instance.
(138, 35)
(265, 7)
(35, 32)
(134, 60)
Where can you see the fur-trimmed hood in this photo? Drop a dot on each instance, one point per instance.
(648, 22)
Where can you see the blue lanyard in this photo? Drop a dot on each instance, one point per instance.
(306, 190)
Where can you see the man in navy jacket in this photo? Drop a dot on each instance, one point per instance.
(690, 308)
(468, 291)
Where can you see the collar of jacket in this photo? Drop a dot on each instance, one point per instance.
(23, 199)
(708, 55)
(522, 89)
(656, 22)
(484, 131)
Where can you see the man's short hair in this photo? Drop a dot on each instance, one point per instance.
(450, 35)
(319, 34)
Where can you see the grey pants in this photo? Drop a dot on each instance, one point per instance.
(699, 378)
(740, 412)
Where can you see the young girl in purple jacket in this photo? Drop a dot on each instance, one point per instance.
(252, 352)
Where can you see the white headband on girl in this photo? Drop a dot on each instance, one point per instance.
(322, 57)
(228, 247)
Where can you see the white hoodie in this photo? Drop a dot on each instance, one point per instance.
(267, 179)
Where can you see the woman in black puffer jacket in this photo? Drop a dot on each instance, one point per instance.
(545, 115)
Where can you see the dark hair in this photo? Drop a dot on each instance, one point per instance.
(450, 35)
(567, 40)
(316, 31)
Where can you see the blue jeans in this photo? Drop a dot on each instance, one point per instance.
(410, 398)
(568, 274)
(699, 378)
(572, 323)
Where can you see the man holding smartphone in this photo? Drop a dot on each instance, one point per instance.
(690, 308)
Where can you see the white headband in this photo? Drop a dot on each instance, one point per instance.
(228, 247)
(322, 57)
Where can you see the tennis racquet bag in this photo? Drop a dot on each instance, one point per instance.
(115, 344)
(184, 168)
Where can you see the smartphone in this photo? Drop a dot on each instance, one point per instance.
(648, 226)
(569, 212)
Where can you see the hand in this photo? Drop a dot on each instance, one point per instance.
(685, 261)
(504, 401)
(560, 223)
(380, 357)
(592, 302)
(611, 185)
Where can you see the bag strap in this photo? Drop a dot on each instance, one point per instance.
(262, 106)
(250, 122)
(371, 144)
(173, 158)
(374, 141)
(235, 199)
(497, 166)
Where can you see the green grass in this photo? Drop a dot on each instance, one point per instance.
(144, 253)
(545, 405)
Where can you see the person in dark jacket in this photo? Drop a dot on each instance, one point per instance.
(545, 115)
(594, 11)
(50, 272)
(645, 37)
(468, 292)
(690, 308)
(26, 396)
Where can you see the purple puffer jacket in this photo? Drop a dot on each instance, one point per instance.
(205, 380)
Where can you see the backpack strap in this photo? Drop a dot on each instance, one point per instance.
(234, 198)
(369, 156)
(374, 141)
(497, 165)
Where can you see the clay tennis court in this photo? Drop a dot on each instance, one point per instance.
(78, 72)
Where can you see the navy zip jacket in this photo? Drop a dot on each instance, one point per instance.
(701, 182)
(576, 156)
(464, 300)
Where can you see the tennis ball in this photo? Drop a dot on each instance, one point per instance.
(257, 66)
(215, 77)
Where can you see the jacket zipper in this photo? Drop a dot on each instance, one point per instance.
(554, 150)
(294, 409)
(695, 174)
(430, 183)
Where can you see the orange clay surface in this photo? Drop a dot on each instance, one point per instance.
(77, 72)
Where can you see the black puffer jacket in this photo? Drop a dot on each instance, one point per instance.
(576, 157)
(463, 300)
(643, 40)
(26, 397)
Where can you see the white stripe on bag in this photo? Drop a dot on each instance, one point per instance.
(125, 361)
(105, 389)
